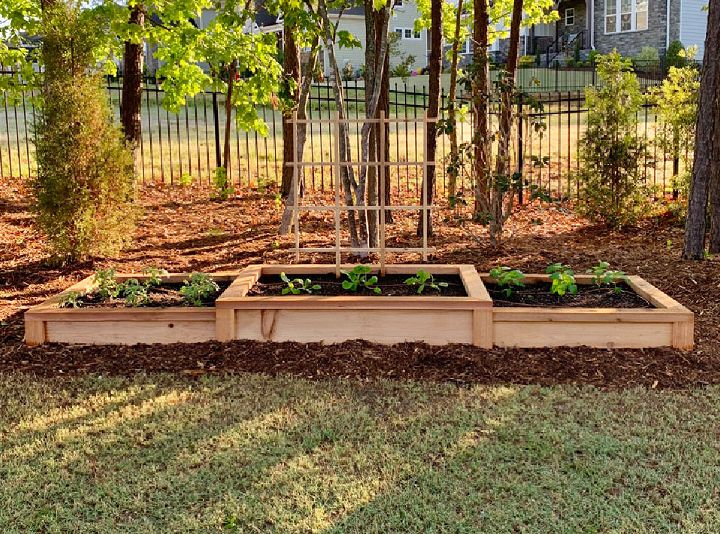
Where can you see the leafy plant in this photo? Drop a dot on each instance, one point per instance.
(134, 292)
(107, 286)
(563, 279)
(83, 189)
(198, 288)
(358, 277)
(508, 279)
(155, 276)
(612, 154)
(296, 286)
(71, 299)
(603, 276)
(423, 279)
(223, 188)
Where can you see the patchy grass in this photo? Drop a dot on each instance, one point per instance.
(250, 453)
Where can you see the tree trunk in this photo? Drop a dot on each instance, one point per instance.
(715, 210)
(130, 110)
(373, 29)
(432, 112)
(707, 132)
(384, 104)
(287, 217)
(232, 71)
(502, 201)
(480, 104)
(452, 98)
(291, 66)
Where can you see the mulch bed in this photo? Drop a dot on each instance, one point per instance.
(391, 285)
(183, 230)
(586, 297)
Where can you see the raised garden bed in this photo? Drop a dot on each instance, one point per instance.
(637, 316)
(164, 318)
(252, 308)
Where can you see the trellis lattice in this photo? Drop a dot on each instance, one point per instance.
(339, 207)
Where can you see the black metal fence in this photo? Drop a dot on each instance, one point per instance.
(185, 147)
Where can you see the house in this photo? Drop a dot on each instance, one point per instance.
(410, 43)
(625, 25)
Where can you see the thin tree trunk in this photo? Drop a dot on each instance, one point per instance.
(372, 35)
(432, 112)
(384, 104)
(452, 98)
(232, 70)
(130, 111)
(291, 67)
(287, 217)
(707, 132)
(480, 106)
(502, 201)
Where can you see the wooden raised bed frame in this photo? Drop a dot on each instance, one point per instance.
(425, 318)
(47, 323)
(668, 324)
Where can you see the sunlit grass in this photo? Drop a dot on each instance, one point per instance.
(251, 453)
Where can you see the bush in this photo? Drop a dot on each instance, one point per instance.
(83, 190)
(675, 55)
(526, 62)
(648, 58)
(611, 152)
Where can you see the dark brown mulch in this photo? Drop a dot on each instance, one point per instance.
(183, 230)
(391, 285)
(163, 296)
(586, 297)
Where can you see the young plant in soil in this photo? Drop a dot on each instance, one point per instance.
(563, 279)
(358, 277)
(603, 276)
(198, 288)
(71, 300)
(107, 286)
(508, 279)
(134, 292)
(423, 279)
(297, 286)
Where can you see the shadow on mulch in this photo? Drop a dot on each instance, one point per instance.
(460, 364)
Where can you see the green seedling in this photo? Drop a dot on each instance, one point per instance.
(155, 276)
(603, 276)
(563, 279)
(71, 299)
(134, 292)
(423, 279)
(507, 279)
(297, 286)
(107, 285)
(198, 288)
(358, 277)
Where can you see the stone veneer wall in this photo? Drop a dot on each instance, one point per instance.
(630, 43)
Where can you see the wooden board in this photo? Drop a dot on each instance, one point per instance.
(311, 318)
(47, 322)
(668, 324)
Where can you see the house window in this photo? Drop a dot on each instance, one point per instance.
(408, 33)
(398, 3)
(570, 16)
(416, 35)
(399, 32)
(626, 15)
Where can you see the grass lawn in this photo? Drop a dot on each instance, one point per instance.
(249, 453)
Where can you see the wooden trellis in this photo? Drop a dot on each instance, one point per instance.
(339, 207)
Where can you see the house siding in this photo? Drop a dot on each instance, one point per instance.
(693, 24)
(631, 43)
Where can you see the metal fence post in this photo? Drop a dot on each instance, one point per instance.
(216, 120)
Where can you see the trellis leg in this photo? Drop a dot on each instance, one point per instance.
(336, 211)
(381, 175)
(424, 189)
(296, 190)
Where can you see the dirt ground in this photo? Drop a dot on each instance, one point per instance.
(182, 229)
